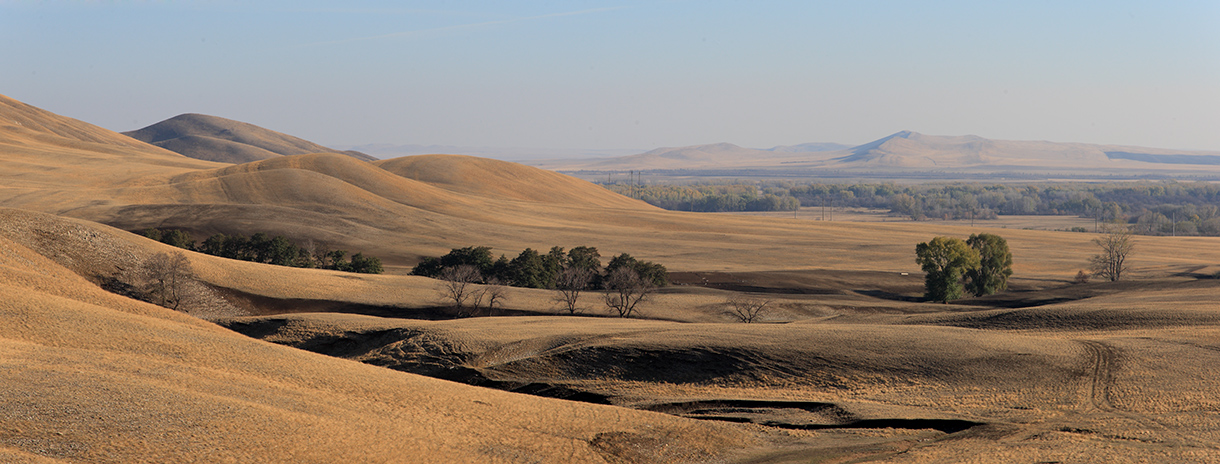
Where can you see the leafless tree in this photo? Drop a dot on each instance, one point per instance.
(457, 284)
(747, 309)
(571, 282)
(164, 277)
(625, 290)
(1116, 245)
(489, 297)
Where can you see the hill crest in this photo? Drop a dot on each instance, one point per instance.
(214, 138)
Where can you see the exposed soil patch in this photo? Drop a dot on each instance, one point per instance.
(799, 415)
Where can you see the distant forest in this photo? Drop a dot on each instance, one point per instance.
(1152, 208)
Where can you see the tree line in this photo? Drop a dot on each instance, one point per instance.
(1152, 208)
(278, 250)
(625, 281)
(708, 198)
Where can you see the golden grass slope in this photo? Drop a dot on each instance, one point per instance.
(214, 138)
(503, 180)
(90, 376)
(42, 150)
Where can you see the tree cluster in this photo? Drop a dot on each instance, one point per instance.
(471, 277)
(708, 198)
(531, 269)
(980, 265)
(277, 250)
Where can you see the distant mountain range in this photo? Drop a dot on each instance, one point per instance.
(908, 151)
(214, 138)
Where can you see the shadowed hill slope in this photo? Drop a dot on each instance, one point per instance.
(214, 138)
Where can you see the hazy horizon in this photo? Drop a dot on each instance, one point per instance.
(604, 75)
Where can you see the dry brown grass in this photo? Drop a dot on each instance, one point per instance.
(91, 376)
(1096, 372)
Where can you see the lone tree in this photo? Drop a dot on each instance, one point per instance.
(164, 277)
(490, 296)
(1115, 245)
(625, 290)
(747, 309)
(995, 265)
(571, 282)
(457, 284)
(945, 260)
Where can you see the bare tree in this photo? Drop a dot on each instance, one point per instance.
(164, 278)
(457, 284)
(489, 297)
(625, 290)
(571, 282)
(747, 309)
(1116, 245)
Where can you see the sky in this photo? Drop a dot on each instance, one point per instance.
(630, 74)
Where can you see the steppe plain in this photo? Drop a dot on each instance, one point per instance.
(273, 364)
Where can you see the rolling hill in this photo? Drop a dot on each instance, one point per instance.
(91, 376)
(850, 366)
(912, 152)
(223, 140)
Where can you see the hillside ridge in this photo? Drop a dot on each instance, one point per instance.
(214, 138)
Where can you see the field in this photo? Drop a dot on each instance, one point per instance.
(275, 364)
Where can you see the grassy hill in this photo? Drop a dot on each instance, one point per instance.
(223, 140)
(94, 377)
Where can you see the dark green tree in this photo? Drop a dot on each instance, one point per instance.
(365, 264)
(428, 267)
(945, 261)
(281, 252)
(585, 258)
(501, 270)
(995, 265)
(337, 261)
(528, 269)
(479, 257)
(655, 274)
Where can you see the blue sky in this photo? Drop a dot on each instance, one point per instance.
(625, 74)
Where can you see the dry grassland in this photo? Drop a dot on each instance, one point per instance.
(851, 366)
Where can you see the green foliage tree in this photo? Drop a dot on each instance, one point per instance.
(365, 264)
(585, 258)
(945, 260)
(528, 270)
(479, 257)
(172, 237)
(654, 273)
(995, 265)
